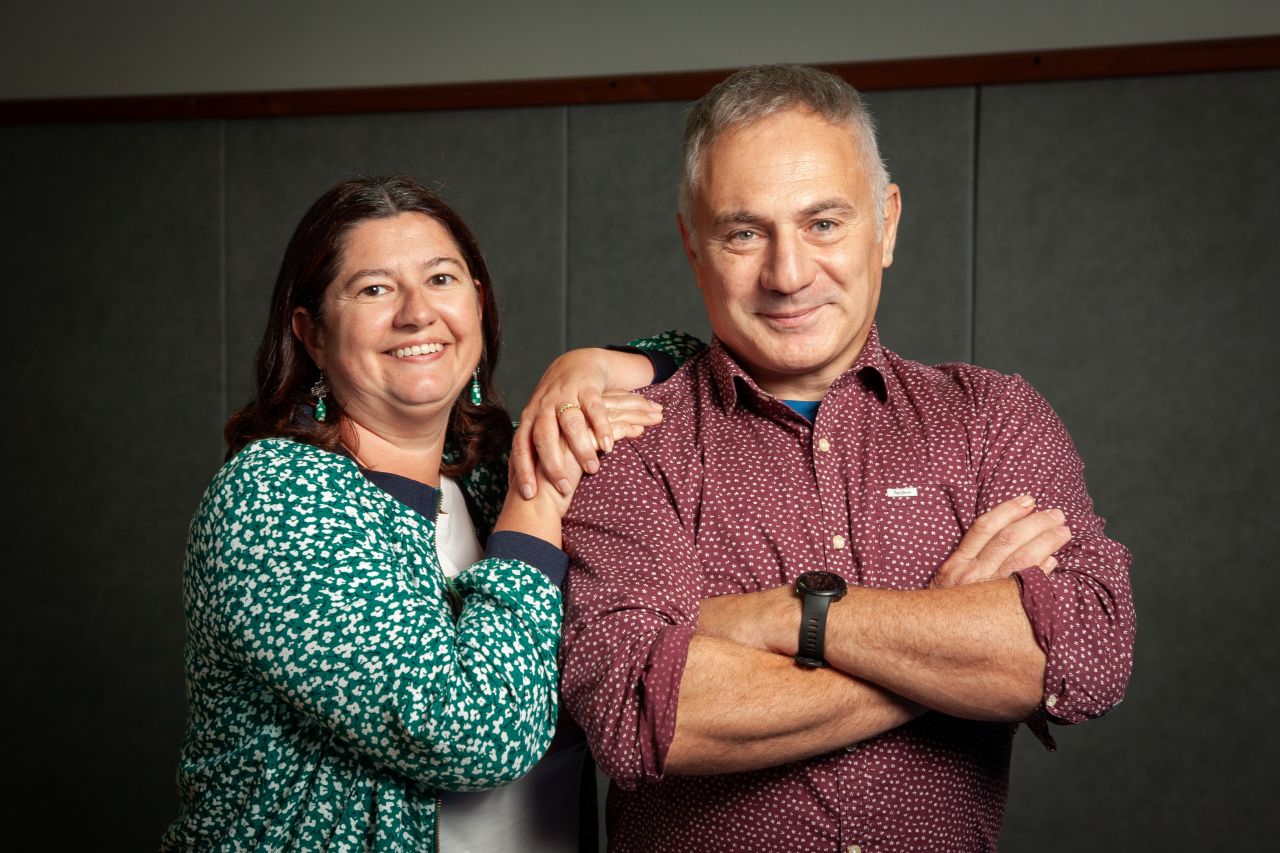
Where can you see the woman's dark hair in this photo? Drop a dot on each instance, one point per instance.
(282, 405)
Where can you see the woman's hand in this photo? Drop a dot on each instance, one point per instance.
(571, 417)
(540, 515)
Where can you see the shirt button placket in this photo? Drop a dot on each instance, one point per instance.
(831, 504)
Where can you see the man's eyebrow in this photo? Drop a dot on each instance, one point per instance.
(827, 205)
(737, 217)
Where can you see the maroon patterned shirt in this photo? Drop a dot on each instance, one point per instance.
(735, 492)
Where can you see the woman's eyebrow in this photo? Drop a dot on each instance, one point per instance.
(389, 273)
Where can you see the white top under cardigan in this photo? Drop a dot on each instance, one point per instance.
(536, 814)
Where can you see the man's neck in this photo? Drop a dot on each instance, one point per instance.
(806, 386)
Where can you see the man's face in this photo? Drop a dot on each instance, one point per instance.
(786, 250)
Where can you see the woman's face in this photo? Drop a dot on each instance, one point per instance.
(401, 329)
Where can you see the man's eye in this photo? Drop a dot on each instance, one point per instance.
(824, 226)
(744, 236)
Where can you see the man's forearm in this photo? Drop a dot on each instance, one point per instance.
(967, 651)
(745, 709)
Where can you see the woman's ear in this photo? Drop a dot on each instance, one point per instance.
(308, 331)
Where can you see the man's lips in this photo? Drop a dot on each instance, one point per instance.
(790, 317)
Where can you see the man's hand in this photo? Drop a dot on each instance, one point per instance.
(1003, 540)
(571, 405)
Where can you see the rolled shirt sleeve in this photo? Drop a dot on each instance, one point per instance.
(1082, 615)
(631, 611)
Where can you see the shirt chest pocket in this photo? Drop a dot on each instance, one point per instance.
(913, 528)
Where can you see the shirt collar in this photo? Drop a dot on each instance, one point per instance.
(869, 371)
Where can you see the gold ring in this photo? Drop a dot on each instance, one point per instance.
(560, 410)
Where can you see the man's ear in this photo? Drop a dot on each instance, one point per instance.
(690, 251)
(308, 331)
(892, 216)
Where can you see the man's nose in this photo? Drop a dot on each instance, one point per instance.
(791, 266)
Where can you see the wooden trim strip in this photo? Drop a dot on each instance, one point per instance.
(1024, 67)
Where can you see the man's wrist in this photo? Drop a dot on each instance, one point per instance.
(817, 590)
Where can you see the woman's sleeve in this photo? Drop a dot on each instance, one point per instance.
(667, 351)
(335, 610)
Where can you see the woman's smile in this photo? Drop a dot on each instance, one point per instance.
(412, 350)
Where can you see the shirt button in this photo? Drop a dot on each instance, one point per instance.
(824, 445)
(837, 542)
(1051, 701)
(854, 848)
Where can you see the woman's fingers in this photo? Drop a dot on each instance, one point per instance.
(580, 442)
(521, 467)
(565, 438)
(557, 466)
(627, 411)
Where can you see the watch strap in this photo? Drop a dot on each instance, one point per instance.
(813, 630)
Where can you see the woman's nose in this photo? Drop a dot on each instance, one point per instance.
(416, 308)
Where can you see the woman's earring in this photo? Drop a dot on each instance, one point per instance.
(476, 397)
(319, 391)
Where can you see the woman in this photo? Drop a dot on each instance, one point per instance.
(352, 650)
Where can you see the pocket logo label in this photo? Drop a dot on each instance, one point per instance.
(905, 492)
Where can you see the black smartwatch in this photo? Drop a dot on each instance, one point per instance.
(817, 590)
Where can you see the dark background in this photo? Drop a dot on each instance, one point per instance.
(1117, 242)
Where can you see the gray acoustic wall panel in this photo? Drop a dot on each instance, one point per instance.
(503, 170)
(1127, 265)
(628, 276)
(113, 334)
(927, 140)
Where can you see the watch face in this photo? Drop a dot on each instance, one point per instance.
(822, 583)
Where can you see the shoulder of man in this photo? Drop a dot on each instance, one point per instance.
(681, 396)
(960, 386)
(667, 453)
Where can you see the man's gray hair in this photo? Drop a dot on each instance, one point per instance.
(763, 90)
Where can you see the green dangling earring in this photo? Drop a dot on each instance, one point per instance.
(476, 397)
(319, 390)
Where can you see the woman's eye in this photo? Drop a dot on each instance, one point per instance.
(374, 290)
(442, 278)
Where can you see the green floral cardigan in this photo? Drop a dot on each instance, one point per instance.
(332, 692)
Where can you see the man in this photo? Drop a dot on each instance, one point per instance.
(929, 526)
